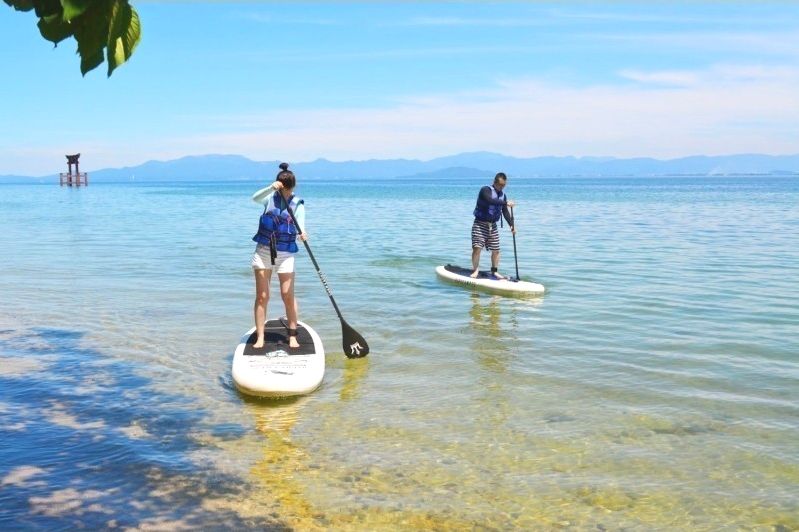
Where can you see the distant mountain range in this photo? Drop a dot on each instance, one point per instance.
(475, 164)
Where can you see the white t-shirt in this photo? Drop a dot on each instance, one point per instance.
(262, 197)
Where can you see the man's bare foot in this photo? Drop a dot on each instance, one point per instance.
(259, 343)
(499, 276)
(293, 343)
(474, 274)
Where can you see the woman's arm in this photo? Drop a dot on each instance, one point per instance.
(299, 214)
(262, 196)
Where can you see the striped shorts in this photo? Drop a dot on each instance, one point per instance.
(485, 235)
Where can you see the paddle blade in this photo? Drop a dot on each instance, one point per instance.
(353, 343)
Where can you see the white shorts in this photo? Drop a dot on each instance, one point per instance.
(284, 262)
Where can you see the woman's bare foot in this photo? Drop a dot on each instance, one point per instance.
(499, 276)
(474, 274)
(259, 343)
(293, 343)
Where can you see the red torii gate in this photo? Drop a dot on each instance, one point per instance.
(77, 179)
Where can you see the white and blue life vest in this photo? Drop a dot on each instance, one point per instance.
(277, 226)
(484, 211)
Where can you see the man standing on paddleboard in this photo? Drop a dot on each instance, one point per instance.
(492, 204)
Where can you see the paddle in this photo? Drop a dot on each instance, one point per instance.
(353, 344)
(515, 258)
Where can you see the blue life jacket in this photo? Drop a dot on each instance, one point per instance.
(484, 211)
(276, 226)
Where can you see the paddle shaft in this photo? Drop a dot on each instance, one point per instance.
(353, 344)
(316, 264)
(513, 232)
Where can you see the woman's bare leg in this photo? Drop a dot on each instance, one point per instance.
(287, 293)
(262, 278)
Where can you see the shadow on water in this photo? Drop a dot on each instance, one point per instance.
(493, 319)
(282, 459)
(355, 370)
(277, 475)
(88, 443)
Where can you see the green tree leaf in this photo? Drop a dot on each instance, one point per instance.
(54, 29)
(76, 8)
(47, 8)
(91, 60)
(96, 25)
(91, 32)
(123, 35)
(20, 5)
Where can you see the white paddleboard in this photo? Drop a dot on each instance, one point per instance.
(486, 281)
(277, 370)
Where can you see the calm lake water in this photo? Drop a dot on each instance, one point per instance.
(655, 386)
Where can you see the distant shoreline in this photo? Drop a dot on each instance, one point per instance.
(197, 168)
(54, 180)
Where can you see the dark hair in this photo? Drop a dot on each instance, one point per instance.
(500, 175)
(286, 176)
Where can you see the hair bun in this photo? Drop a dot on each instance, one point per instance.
(284, 166)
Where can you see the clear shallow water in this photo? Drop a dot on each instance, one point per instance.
(654, 386)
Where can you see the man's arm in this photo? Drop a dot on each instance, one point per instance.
(485, 195)
(507, 215)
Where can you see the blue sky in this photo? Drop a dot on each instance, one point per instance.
(415, 80)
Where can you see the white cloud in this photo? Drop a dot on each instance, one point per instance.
(271, 57)
(547, 17)
(773, 43)
(720, 110)
(719, 18)
(265, 18)
(483, 22)
(703, 115)
(672, 77)
(717, 74)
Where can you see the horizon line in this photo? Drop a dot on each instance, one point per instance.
(596, 158)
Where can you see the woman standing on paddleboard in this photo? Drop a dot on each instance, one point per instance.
(277, 244)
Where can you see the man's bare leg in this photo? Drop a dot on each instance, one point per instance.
(475, 262)
(495, 264)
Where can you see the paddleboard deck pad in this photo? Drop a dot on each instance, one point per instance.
(488, 282)
(277, 370)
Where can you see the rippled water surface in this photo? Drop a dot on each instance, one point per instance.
(654, 386)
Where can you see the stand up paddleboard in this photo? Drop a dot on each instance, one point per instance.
(486, 281)
(277, 370)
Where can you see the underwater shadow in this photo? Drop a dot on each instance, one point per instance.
(88, 443)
